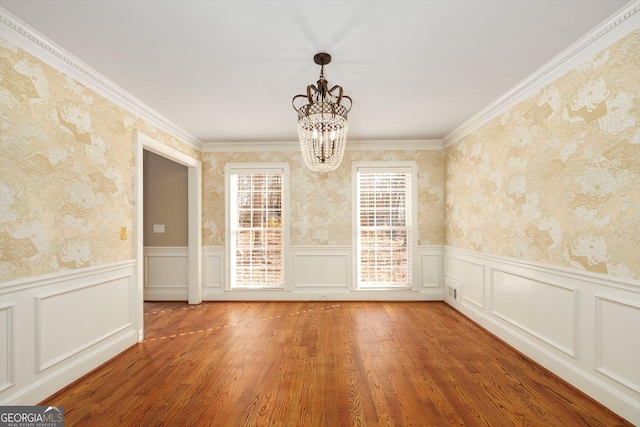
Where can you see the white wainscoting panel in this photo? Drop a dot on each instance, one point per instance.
(56, 328)
(431, 260)
(6, 346)
(582, 326)
(213, 267)
(323, 272)
(471, 276)
(105, 309)
(166, 273)
(618, 327)
(321, 266)
(537, 307)
(452, 286)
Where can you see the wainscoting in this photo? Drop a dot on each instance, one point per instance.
(56, 328)
(583, 327)
(325, 273)
(313, 273)
(166, 272)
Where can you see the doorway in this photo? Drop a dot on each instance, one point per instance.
(194, 174)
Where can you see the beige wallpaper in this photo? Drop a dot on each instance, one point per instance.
(557, 178)
(66, 170)
(321, 203)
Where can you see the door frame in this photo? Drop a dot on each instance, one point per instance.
(194, 195)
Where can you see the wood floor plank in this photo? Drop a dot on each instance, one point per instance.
(322, 364)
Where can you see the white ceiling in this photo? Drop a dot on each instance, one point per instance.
(226, 71)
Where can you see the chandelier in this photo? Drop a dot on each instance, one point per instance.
(322, 122)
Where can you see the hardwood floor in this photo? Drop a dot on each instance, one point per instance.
(322, 364)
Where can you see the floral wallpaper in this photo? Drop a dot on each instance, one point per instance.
(321, 206)
(66, 170)
(556, 179)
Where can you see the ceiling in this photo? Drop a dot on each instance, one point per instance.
(226, 71)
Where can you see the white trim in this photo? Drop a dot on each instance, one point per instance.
(9, 356)
(338, 256)
(86, 362)
(572, 273)
(270, 146)
(463, 296)
(413, 250)
(213, 270)
(571, 350)
(36, 375)
(575, 362)
(431, 274)
(598, 337)
(428, 290)
(36, 44)
(61, 276)
(616, 27)
(256, 167)
(41, 363)
(194, 185)
(174, 259)
(194, 182)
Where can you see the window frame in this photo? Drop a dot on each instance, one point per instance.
(255, 168)
(409, 167)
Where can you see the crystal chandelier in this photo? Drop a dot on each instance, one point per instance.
(322, 122)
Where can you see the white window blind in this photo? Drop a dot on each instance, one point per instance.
(256, 223)
(384, 228)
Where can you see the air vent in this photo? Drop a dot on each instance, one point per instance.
(453, 292)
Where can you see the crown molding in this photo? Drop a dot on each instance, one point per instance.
(248, 146)
(365, 145)
(617, 26)
(395, 144)
(36, 44)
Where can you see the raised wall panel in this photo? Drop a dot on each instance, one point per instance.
(166, 273)
(618, 340)
(471, 276)
(583, 326)
(452, 287)
(6, 346)
(546, 310)
(430, 269)
(323, 272)
(58, 327)
(213, 267)
(72, 320)
(321, 267)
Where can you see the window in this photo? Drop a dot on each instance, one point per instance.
(385, 214)
(256, 224)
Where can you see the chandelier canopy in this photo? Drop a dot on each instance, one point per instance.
(322, 122)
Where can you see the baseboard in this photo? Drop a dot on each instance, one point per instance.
(51, 384)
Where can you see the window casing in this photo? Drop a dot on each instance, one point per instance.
(257, 224)
(385, 215)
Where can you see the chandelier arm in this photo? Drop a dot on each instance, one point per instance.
(294, 100)
(350, 102)
(310, 95)
(339, 97)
